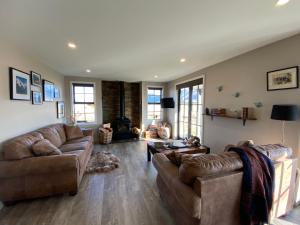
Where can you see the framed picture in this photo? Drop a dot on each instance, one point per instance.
(19, 85)
(56, 92)
(48, 91)
(60, 110)
(283, 79)
(37, 98)
(36, 79)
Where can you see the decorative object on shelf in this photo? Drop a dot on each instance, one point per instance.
(36, 79)
(258, 104)
(285, 113)
(56, 92)
(207, 112)
(37, 98)
(283, 79)
(237, 94)
(244, 115)
(167, 103)
(218, 111)
(60, 110)
(48, 91)
(220, 88)
(19, 85)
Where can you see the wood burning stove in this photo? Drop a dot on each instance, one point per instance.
(122, 125)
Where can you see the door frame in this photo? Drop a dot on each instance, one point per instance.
(203, 76)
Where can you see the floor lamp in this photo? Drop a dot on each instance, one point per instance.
(284, 113)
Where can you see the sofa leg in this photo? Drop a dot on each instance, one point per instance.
(73, 193)
(9, 203)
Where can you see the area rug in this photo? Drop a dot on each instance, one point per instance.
(102, 162)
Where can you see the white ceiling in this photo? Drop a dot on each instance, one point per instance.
(133, 40)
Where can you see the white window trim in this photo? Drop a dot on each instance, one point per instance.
(72, 101)
(203, 103)
(162, 95)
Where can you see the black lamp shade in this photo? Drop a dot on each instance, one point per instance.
(285, 112)
(167, 103)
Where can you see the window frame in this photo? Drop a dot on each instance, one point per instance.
(73, 102)
(189, 84)
(161, 96)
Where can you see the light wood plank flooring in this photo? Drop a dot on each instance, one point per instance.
(125, 196)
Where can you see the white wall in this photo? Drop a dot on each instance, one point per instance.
(18, 117)
(247, 74)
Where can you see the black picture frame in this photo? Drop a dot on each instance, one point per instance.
(60, 108)
(19, 81)
(294, 77)
(48, 91)
(36, 79)
(34, 99)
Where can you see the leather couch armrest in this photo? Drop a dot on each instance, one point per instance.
(220, 198)
(38, 165)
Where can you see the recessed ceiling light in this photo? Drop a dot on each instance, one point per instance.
(155, 76)
(71, 45)
(182, 60)
(88, 70)
(282, 2)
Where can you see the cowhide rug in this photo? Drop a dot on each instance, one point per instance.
(102, 162)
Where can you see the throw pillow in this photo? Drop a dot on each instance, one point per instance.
(174, 157)
(45, 148)
(73, 132)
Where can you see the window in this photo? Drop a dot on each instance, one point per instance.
(84, 102)
(190, 110)
(154, 99)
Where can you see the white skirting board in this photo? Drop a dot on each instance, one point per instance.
(297, 192)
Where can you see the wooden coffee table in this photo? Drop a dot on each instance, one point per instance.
(153, 149)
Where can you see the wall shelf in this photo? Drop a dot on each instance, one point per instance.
(231, 117)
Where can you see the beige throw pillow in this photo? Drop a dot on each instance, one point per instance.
(45, 148)
(73, 132)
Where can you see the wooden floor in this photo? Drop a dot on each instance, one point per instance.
(126, 196)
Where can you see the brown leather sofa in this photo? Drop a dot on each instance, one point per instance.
(206, 189)
(33, 177)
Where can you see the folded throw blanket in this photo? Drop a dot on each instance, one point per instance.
(258, 186)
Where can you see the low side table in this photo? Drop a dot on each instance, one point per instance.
(152, 149)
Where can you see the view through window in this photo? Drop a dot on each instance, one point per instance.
(154, 96)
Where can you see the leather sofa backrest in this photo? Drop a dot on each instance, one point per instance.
(276, 152)
(20, 147)
(193, 166)
(54, 133)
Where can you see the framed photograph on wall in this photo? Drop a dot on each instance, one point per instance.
(36, 79)
(283, 79)
(56, 92)
(60, 110)
(48, 91)
(19, 85)
(37, 98)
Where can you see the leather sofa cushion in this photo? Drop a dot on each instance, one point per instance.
(20, 147)
(50, 133)
(83, 139)
(204, 165)
(73, 132)
(61, 131)
(276, 152)
(75, 146)
(44, 148)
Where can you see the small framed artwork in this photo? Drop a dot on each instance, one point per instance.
(60, 110)
(36, 79)
(19, 85)
(37, 98)
(283, 79)
(48, 91)
(56, 92)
